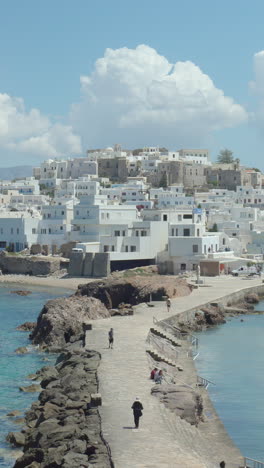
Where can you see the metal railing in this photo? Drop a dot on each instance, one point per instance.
(202, 382)
(161, 347)
(251, 463)
(178, 333)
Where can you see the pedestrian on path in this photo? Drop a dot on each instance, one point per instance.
(168, 302)
(137, 408)
(111, 338)
(222, 464)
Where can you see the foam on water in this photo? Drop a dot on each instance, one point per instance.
(14, 368)
(232, 356)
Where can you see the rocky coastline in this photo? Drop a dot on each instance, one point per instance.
(63, 428)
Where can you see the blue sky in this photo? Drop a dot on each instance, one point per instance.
(45, 47)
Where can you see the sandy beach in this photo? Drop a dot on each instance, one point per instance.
(49, 281)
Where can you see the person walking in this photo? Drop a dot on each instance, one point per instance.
(168, 302)
(137, 408)
(111, 338)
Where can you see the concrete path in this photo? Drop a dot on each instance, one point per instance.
(124, 375)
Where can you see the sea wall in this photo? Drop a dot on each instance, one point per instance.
(190, 316)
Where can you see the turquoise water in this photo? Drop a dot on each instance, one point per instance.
(14, 368)
(232, 356)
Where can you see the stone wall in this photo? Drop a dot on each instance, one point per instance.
(35, 266)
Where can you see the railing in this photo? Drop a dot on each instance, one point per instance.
(172, 353)
(202, 382)
(178, 333)
(251, 463)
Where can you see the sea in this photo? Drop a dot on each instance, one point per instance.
(14, 368)
(232, 357)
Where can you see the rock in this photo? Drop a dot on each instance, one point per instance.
(181, 399)
(252, 298)
(31, 388)
(21, 350)
(73, 459)
(14, 413)
(21, 293)
(96, 399)
(32, 376)
(61, 320)
(62, 429)
(27, 326)
(19, 421)
(17, 439)
(133, 290)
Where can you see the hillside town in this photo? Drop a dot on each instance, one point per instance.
(138, 207)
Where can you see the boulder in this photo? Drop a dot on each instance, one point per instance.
(252, 298)
(31, 388)
(21, 350)
(182, 400)
(21, 292)
(61, 320)
(17, 439)
(14, 413)
(27, 326)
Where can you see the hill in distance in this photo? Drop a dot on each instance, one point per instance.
(16, 172)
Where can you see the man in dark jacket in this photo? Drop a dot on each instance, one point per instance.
(137, 408)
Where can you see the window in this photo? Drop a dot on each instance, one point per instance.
(143, 233)
(123, 233)
(33, 231)
(186, 232)
(106, 248)
(183, 266)
(126, 248)
(176, 232)
(137, 233)
(62, 212)
(179, 217)
(117, 233)
(198, 232)
(49, 231)
(132, 248)
(61, 228)
(172, 232)
(195, 248)
(12, 230)
(165, 217)
(107, 215)
(187, 216)
(113, 248)
(17, 230)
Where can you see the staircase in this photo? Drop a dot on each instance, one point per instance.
(163, 334)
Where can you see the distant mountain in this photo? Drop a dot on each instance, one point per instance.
(16, 172)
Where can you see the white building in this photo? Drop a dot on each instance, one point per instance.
(18, 230)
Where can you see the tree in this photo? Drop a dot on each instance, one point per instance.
(225, 157)
(213, 228)
(163, 180)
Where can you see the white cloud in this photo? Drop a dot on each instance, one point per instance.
(31, 133)
(137, 96)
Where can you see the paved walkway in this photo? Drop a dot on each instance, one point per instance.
(162, 440)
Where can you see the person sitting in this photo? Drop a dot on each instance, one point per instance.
(158, 377)
(153, 372)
